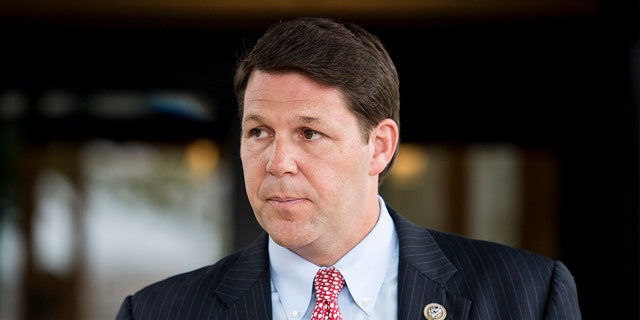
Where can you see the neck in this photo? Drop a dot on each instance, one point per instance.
(330, 251)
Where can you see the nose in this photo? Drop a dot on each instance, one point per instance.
(282, 158)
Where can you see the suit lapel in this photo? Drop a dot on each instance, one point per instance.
(423, 272)
(246, 289)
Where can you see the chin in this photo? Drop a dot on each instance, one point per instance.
(288, 241)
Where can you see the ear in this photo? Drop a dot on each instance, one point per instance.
(385, 141)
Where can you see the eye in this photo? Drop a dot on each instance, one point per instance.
(257, 133)
(309, 134)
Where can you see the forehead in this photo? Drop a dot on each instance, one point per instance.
(285, 85)
(290, 92)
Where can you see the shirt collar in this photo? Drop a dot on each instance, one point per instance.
(364, 268)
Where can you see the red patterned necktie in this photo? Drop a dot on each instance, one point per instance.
(328, 283)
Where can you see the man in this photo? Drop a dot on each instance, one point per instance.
(319, 107)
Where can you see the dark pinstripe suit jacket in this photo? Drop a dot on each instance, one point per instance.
(472, 279)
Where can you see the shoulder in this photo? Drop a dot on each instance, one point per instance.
(506, 281)
(469, 253)
(204, 282)
(189, 282)
(461, 249)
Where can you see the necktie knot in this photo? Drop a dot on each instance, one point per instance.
(328, 283)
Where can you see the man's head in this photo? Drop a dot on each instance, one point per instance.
(333, 53)
(319, 107)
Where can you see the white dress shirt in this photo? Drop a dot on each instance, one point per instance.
(370, 271)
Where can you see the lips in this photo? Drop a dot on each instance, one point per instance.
(284, 199)
(281, 194)
(284, 202)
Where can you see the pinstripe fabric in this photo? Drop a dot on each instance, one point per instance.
(476, 279)
(472, 279)
(237, 287)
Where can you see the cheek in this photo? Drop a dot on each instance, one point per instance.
(356, 161)
(332, 173)
(252, 167)
(250, 158)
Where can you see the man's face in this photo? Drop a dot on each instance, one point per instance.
(308, 172)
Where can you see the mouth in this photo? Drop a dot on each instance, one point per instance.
(284, 201)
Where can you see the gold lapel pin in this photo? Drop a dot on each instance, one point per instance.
(434, 311)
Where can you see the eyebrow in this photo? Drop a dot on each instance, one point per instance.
(307, 119)
(252, 117)
(302, 119)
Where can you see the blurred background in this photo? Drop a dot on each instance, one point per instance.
(119, 138)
